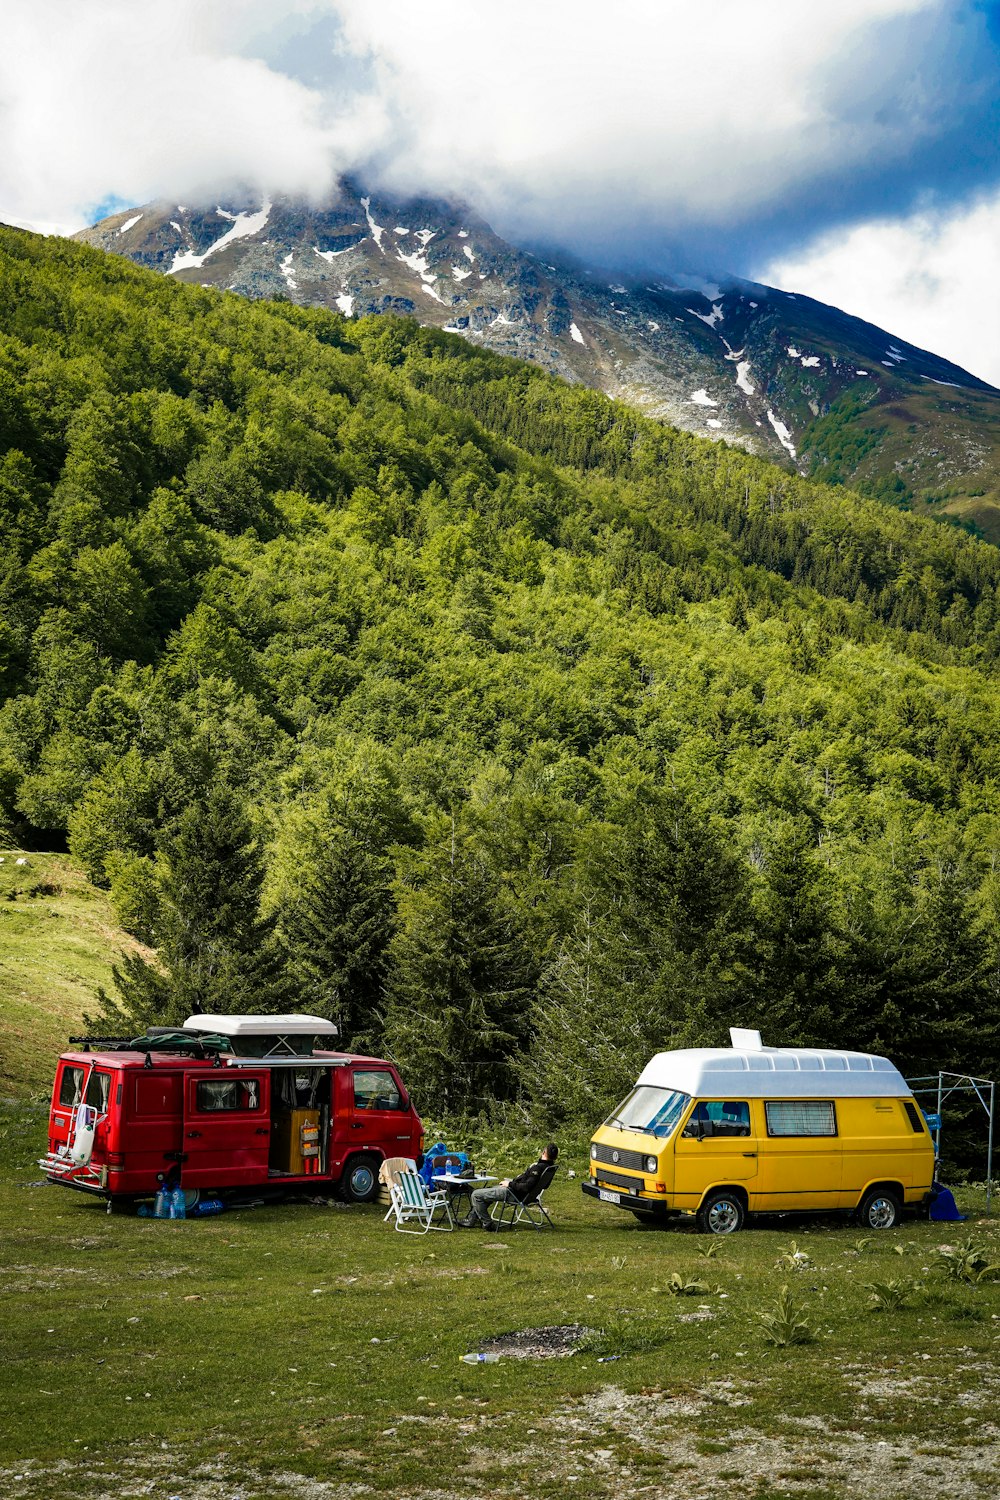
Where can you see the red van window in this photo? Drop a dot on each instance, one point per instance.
(376, 1090)
(227, 1093)
(71, 1087)
(158, 1094)
(98, 1090)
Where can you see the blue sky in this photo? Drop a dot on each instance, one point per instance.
(847, 151)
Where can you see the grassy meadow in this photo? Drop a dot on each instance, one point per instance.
(307, 1350)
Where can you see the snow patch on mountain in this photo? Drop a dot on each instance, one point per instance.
(782, 433)
(244, 225)
(346, 304)
(130, 223)
(378, 230)
(715, 316)
(702, 398)
(286, 271)
(575, 334)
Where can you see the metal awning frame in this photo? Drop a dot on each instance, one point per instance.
(942, 1086)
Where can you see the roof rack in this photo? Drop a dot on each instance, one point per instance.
(158, 1039)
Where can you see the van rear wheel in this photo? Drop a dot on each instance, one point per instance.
(359, 1183)
(880, 1209)
(721, 1213)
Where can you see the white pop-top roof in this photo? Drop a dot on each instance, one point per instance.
(757, 1072)
(261, 1025)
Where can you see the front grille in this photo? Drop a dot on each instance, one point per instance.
(615, 1179)
(633, 1160)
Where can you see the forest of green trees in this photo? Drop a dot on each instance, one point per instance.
(383, 678)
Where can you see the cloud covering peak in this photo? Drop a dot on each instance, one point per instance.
(654, 132)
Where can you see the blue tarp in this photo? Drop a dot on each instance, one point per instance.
(944, 1209)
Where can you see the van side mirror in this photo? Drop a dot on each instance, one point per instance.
(695, 1129)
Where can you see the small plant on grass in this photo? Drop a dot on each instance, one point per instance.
(860, 1246)
(786, 1324)
(904, 1248)
(793, 1259)
(967, 1262)
(622, 1335)
(888, 1295)
(680, 1286)
(708, 1248)
(618, 1262)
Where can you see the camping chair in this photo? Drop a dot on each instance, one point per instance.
(413, 1204)
(388, 1176)
(531, 1211)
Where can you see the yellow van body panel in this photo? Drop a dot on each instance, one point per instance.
(875, 1143)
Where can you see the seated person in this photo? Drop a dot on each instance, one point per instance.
(511, 1190)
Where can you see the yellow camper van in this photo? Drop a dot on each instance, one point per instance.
(722, 1132)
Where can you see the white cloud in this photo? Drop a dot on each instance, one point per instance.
(114, 97)
(686, 113)
(930, 278)
(545, 114)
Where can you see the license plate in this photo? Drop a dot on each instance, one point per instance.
(607, 1197)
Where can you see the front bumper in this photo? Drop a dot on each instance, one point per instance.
(623, 1198)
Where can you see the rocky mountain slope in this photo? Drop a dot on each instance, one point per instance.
(780, 374)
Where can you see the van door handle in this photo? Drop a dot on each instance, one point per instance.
(193, 1133)
(358, 1125)
(263, 1130)
(749, 1153)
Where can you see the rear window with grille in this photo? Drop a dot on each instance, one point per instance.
(800, 1117)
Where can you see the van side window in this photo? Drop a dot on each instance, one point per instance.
(913, 1115)
(376, 1090)
(719, 1117)
(98, 1090)
(71, 1087)
(801, 1117)
(213, 1094)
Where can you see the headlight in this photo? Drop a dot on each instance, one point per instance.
(593, 1153)
(651, 1164)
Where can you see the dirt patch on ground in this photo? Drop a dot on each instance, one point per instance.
(537, 1343)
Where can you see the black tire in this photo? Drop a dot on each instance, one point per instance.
(359, 1183)
(722, 1212)
(880, 1209)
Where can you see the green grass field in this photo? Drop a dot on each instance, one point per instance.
(307, 1350)
(58, 941)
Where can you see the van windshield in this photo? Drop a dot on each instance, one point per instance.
(650, 1110)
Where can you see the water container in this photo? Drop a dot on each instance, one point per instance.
(178, 1205)
(480, 1359)
(207, 1206)
(162, 1201)
(82, 1144)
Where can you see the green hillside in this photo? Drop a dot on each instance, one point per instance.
(58, 941)
(563, 735)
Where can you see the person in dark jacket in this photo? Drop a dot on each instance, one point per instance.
(517, 1189)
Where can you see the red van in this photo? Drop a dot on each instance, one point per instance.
(226, 1102)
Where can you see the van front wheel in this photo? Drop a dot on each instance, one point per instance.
(721, 1213)
(879, 1209)
(359, 1183)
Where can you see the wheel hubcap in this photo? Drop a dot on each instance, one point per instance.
(362, 1179)
(882, 1214)
(723, 1217)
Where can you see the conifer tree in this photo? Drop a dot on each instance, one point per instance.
(337, 932)
(459, 985)
(215, 952)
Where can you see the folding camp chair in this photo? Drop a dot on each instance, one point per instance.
(530, 1211)
(413, 1204)
(388, 1175)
